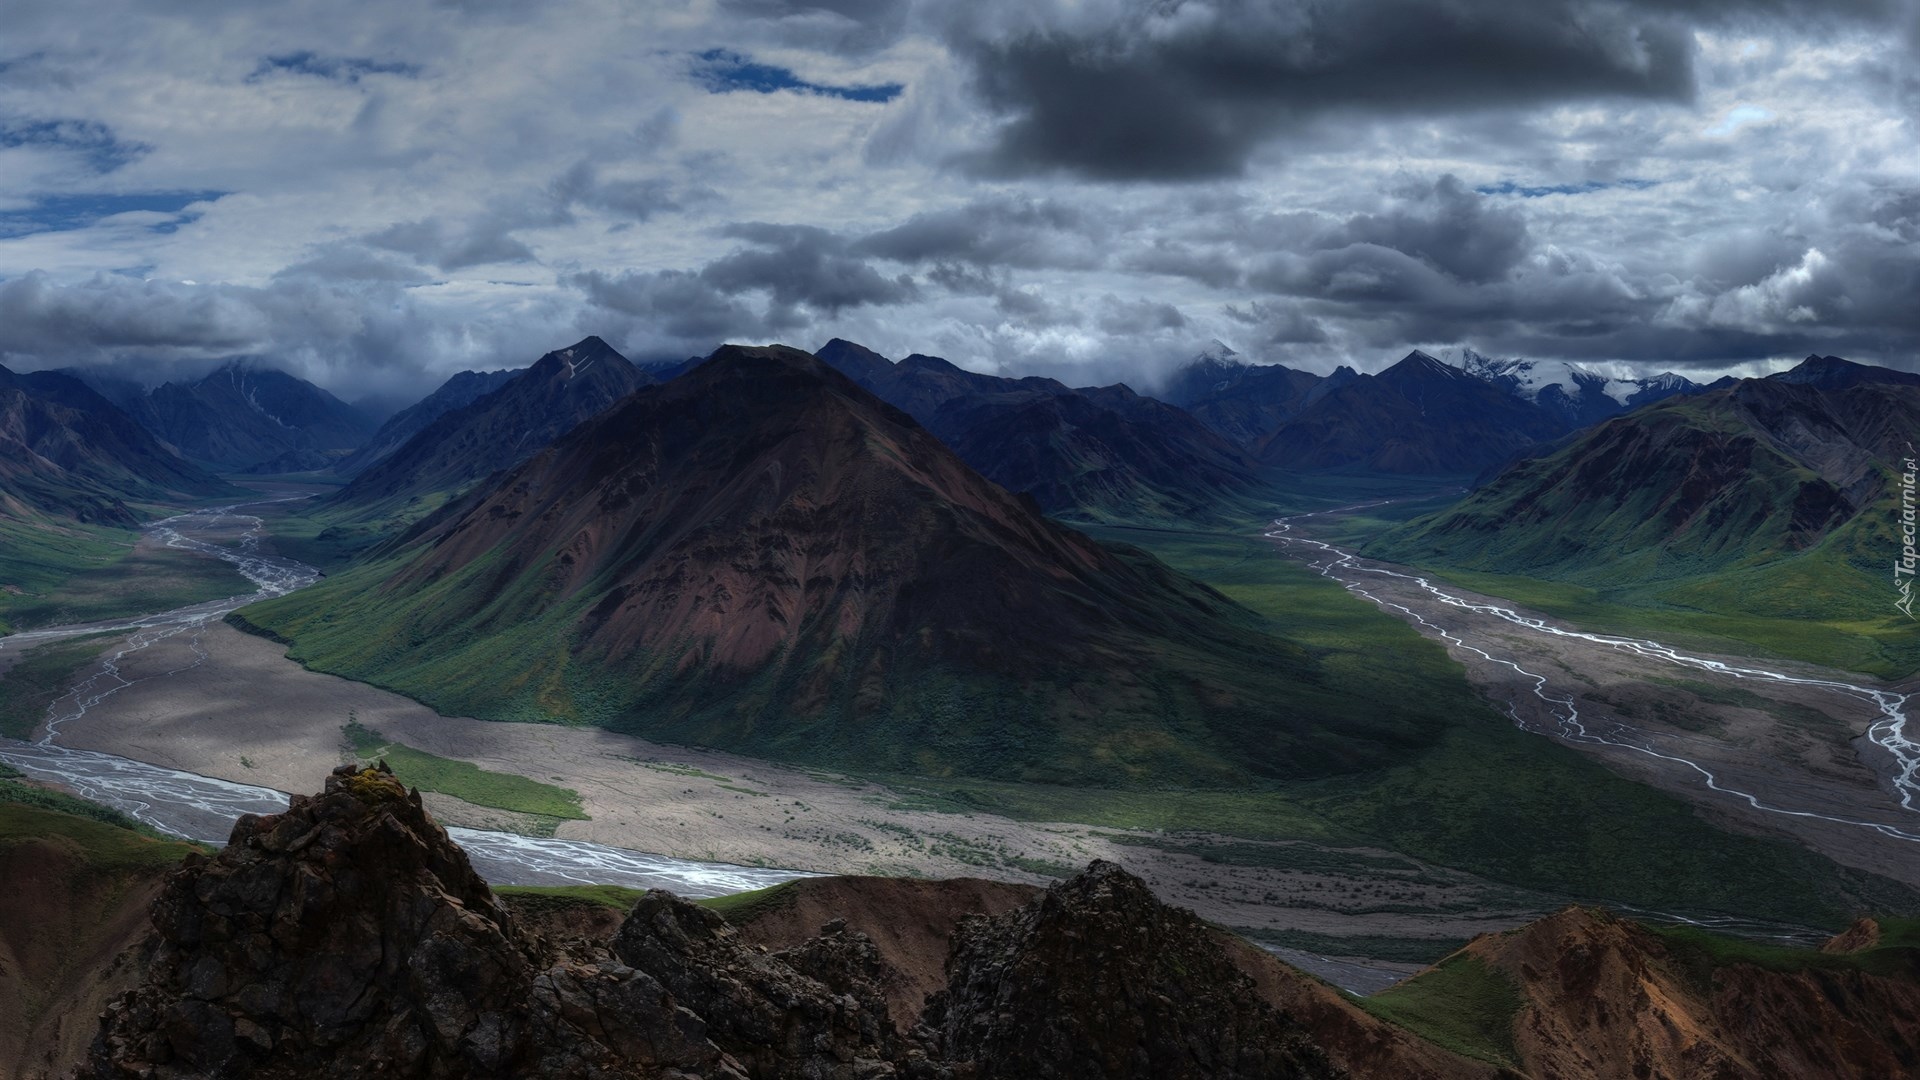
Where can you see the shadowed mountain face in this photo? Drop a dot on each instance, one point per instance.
(461, 390)
(1412, 418)
(498, 429)
(1245, 402)
(67, 451)
(245, 418)
(1096, 452)
(1761, 470)
(762, 555)
(1420, 417)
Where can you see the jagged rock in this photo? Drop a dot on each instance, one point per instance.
(349, 937)
(828, 1023)
(1097, 978)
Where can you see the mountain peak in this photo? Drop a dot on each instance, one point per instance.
(1424, 364)
(580, 357)
(1837, 373)
(1218, 352)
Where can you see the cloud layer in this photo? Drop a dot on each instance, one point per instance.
(378, 195)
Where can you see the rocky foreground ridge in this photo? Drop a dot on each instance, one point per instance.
(348, 937)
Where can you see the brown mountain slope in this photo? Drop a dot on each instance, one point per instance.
(65, 450)
(72, 921)
(1603, 998)
(763, 556)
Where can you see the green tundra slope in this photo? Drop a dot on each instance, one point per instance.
(1761, 515)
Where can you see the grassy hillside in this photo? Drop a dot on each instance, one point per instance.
(63, 572)
(1680, 522)
(1469, 791)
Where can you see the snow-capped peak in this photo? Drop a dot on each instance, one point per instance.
(1218, 352)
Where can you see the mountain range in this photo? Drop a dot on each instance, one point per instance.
(243, 417)
(1095, 453)
(493, 430)
(461, 390)
(1423, 416)
(68, 452)
(762, 555)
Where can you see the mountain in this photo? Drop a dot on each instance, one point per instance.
(1098, 453)
(495, 431)
(1576, 396)
(69, 452)
(1248, 403)
(1244, 402)
(762, 555)
(243, 417)
(1587, 994)
(1762, 512)
(1834, 373)
(1419, 417)
(1761, 470)
(461, 390)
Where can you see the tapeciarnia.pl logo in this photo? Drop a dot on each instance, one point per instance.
(1904, 566)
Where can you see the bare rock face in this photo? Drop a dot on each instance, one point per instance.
(815, 1012)
(1096, 978)
(349, 937)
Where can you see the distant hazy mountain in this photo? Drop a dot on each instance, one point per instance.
(1251, 403)
(1577, 396)
(66, 450)
(1755, 472)
(497, 430)
(1096, 452)
(461, 390)
(762, 555)
(1834, 373)
(243, 417)
(1418, 417)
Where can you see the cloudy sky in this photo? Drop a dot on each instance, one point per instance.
(377, 193)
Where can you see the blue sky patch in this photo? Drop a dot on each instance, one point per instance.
(65, 213)
(1508, 187)
(92, 140)
(344, 69)
(723, 71)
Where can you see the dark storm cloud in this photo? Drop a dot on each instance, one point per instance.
(677, 303)
(1208, 266)
(1028, 233)
(1165, 97)
(1450, 228)
(801, 264)
(800, 271)
(39, 317)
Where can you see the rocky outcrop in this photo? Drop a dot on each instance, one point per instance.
(813, 1012)
(1608, 999)
(349, 937)
(1098, 979)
